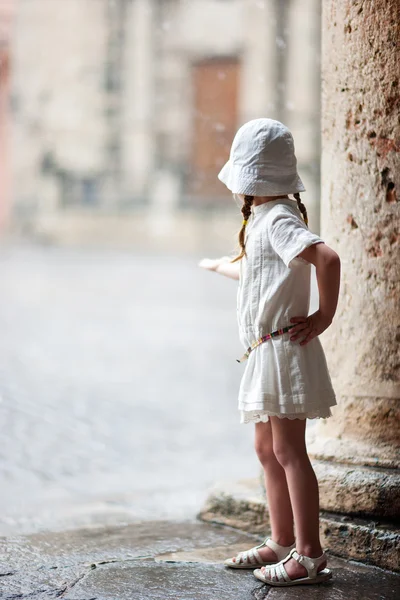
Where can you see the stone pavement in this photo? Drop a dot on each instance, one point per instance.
(162, 560)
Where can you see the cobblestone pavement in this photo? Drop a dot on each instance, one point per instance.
(118, 387)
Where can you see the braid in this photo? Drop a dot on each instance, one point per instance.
(246, 212)
(302, 208)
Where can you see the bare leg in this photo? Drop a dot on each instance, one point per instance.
(280, 510)
(290, 450)
(278, 499)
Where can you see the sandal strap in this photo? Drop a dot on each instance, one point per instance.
(282, 572)
(311, 564)
(242, 558)
(257, 556)
(251, 557)
(277, 572)
(280, 551)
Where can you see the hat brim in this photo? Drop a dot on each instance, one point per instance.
(238, 181)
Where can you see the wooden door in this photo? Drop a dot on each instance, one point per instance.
(215, 118)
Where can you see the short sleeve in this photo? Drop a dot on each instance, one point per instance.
(289, 235)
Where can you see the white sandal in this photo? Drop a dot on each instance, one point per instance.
(251, 558)
(278, 571)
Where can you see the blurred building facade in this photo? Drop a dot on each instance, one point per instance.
(6, 22)
(125, 108)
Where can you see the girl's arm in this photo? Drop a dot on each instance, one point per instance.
(327, 265)
(222, 266)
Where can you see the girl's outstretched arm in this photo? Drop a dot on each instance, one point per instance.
(327, 265)
(221, 265)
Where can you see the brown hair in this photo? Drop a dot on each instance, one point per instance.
(246, 212)
(302, 208)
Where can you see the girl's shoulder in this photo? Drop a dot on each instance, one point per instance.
(283, 210)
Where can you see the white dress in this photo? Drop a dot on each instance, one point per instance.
(281, 378)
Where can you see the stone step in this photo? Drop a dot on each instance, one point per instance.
(370, 492)
(241, 504)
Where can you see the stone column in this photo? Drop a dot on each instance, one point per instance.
(139, 108)
(116, 34)
(357, 451)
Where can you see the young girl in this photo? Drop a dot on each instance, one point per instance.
(285, 380)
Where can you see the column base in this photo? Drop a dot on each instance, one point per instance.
(354, 452)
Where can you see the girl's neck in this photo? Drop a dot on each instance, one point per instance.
(262, 199)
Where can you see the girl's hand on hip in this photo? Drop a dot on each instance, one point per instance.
(309, 327)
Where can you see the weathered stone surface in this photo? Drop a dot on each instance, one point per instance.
(173, 581)
(376, 543)
(360, 220)
(355, 490)
(361, 209)
(352, 583)
(162, 561)
(360, 216)
(181, 580)
(336, 447)
(237, 504)
(364, 431)
(92, 545)
(367, 541)
(50, 564)
(43, 582)
(358, 491)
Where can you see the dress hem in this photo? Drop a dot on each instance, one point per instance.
(257, 416)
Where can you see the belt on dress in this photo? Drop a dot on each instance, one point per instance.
(262, 339)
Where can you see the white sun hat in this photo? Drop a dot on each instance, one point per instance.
(262, 161)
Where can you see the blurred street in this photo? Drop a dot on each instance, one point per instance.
(118, 387)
